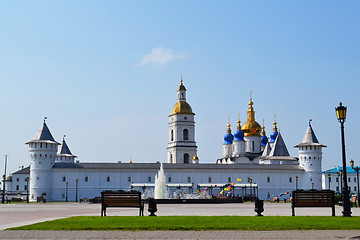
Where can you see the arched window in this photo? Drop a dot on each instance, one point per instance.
(86, 179)
(108, 179)
(169, 179)
(172, 135)
(210, 180)
(186, 134)
(171, 158)
(229, 179)
(129, 179)
(64, 179)
(149, 179)
(290, 179)
(253, 146)
(186, 158)
(268, 179)
(189, 179)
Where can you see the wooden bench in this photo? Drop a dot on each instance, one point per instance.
(313, 198)
(121, 199)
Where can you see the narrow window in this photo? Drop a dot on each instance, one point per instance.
(149, 179)
(17, 187)
(229, 179)
(45, 145)
(355, 189)
(86, 179)
(64, 179)
(17, 179)
(306, 148)
(40, 145)
(268, 179)
(337, 179)
(349, 179)
(25, 187)
(186, 158)
(354, 179)
(337, 188)
(171, 158)
(108, 179)
(172, 135)
(189, 179)
(290, 179)
(253, 146)
(210, 180)
(186, 134)
(310, 147)
(169, 179)
(129, 179)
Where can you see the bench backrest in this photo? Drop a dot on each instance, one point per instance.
(315, 198)
(126, 199)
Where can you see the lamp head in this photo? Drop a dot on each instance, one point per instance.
(296, 178)
(329, 176)
(352, 163)
(341, 113)
(340, 172)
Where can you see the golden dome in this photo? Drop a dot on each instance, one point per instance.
(182, 107)
(251, 127)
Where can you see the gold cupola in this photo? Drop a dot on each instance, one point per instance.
(181, 107)
(251, 127)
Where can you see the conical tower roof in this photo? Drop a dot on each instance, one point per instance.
(279, 148)
(44, 135)
(309, 138)
(64, 150)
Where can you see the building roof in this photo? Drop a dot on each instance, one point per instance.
(23, 171)
(337, 170)
(169, 166)
(43, 135)
(309, 138)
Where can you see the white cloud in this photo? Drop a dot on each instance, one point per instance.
(160, 56)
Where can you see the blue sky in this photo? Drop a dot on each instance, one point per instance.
(105, 73)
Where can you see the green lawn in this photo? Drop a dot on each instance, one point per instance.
(198, 223)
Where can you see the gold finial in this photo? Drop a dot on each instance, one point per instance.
(275, 123)
(228, 126)
(195, 157)
(181, 81)
(238, 123)
(251, 113)
(263, 133)
(130, 160)
(250, 95)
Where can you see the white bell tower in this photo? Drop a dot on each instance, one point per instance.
(182, 146)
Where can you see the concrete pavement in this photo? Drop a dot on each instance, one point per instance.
(12, 215)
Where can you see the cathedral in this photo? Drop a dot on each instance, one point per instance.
(250, 161)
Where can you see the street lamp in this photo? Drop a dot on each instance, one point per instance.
(27, 189)
(357, 176)
(329, 177)
(4, 179)
(312, 186)
(76, 189)
(341, 184)
(67, 187)
(250, 180)
(296, 180)
(341, 116)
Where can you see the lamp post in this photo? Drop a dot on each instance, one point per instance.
(250, 180)
(296, 180)
(357, 178)
(27, 189)
(312, 186)
(4, 179)
(341, 184)
(329, 177)
(341, 116)
(76, 189)
(67, 187)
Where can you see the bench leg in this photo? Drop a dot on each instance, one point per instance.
(333, 211)
(141, 213)
(293, 210)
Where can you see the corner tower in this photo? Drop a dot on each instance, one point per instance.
(310, 158)
(42, 151)
(182, 146)
(64, 154)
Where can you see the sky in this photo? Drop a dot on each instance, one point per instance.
(105, 74)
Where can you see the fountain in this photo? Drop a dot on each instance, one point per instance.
(160, 184)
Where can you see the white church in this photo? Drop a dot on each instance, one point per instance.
(250, 160)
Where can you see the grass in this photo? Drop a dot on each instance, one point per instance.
(197, 223)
